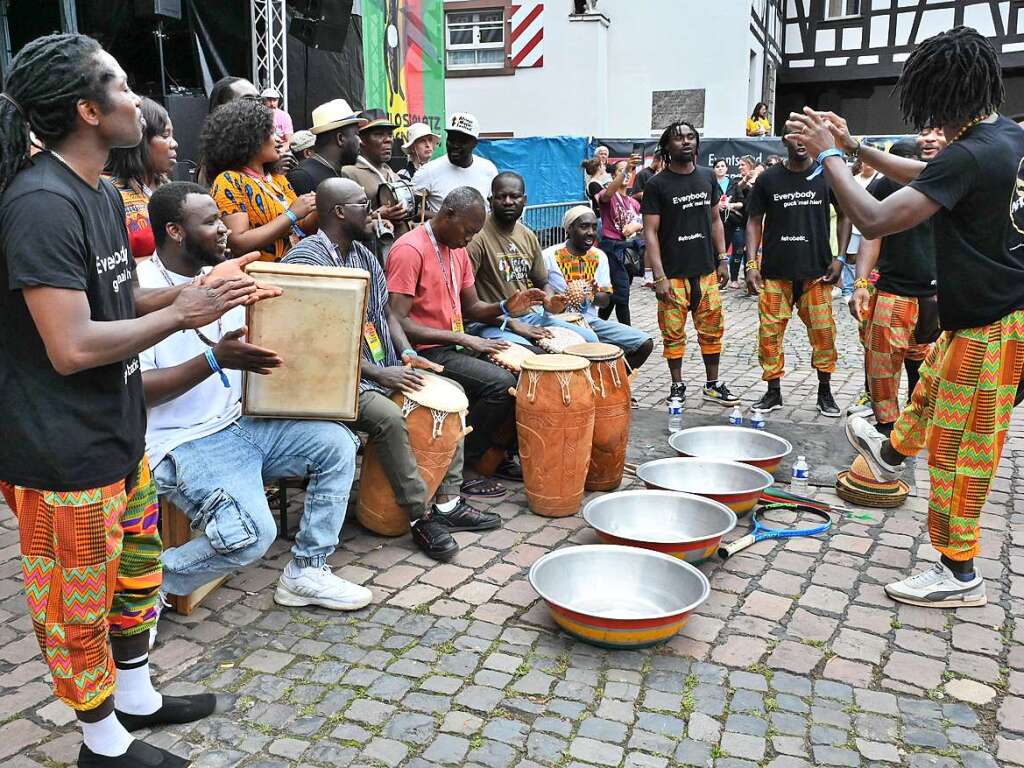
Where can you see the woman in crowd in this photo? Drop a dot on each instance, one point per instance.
(620, 224)
(736, 218)
(260, 208)
(419, 146)
(758, 123)
(136, 172)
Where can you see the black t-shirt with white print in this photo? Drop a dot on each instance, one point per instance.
(684, 203)
(979, 230)
(796, 238)
(85, 430)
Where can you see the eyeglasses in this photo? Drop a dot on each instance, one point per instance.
(363, 206)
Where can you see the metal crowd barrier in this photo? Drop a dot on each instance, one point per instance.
(546, 221)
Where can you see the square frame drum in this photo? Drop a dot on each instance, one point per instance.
(316, 326)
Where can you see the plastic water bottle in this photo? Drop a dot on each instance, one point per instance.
(736, 417)
(757, 419)
(675, 415)
(801, 475)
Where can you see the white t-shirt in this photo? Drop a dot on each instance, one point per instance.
(206, 408)
(439, 177)
(595, 259)
(855, 236)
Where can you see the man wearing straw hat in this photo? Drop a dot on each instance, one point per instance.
(335, 126)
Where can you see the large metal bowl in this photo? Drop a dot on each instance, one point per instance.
(683, 525)
(749, 446)
(736, 485)
(618, 597)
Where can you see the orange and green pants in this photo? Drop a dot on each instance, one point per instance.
(699, 297)
(888, 337)
(813, 300)
(960, 411)
(90, 561)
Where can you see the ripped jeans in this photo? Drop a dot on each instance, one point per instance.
(217, 481)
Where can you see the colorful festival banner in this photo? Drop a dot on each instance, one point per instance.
(403, 57)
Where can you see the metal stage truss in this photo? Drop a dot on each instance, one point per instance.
(269, 45)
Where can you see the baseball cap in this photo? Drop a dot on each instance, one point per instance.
(270, 93)
(464, 122)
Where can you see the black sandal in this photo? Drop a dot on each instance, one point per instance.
(509, 469)
(483, 488)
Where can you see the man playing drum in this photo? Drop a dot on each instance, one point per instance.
(430, 279)
(578, 260)
(507, 258)
(211, 461)
(344, 228)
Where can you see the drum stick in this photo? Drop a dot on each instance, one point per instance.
(423, 207)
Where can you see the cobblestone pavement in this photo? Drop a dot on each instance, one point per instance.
(797, 658)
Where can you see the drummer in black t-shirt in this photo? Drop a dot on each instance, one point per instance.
(791, 265)
(684, 233)
(972, 376)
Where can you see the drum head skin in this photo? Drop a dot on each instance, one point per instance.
(595, 351)
(560, 339)
(555, 363)
(512, 356)
(438, 394)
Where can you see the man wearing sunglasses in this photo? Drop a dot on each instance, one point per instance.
(388, 364)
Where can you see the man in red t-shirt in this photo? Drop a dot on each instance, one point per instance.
(432, 293)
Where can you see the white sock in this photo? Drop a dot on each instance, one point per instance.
(106, 737)
(448, 506)
(133, 691)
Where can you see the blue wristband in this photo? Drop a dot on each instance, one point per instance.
(215, 367)
(503, 308)
(409, 352)
(820, 162)
(291, 216)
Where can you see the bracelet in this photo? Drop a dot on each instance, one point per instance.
(211, 360)
(862, 282)
(841, 260)
(291, 216)
(503, 307)
(855, 152)
(659, 279)
(723, 257)
(822, 157)
(753, 265)
(409, 352)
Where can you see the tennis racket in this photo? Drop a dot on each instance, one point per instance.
(808, 520)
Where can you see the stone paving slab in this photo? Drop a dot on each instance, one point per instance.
(797, 659)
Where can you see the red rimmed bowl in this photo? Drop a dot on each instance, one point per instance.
(683, 525)
(730, 443)
(618, 597)
(736, 485)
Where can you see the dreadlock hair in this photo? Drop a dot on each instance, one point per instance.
(950, 79)
(131, 165)
(47, 79)
(671, 131)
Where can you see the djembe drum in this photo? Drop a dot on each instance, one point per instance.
(555, 423)
(612, 414)
(559, 339)
(435, 418)
(511, 358)
(573, 318)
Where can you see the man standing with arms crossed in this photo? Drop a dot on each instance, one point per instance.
(684, 233)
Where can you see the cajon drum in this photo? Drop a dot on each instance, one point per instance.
(175, 531)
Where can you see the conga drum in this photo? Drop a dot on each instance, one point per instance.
(555, 422)
(435, 418)
(612, 414)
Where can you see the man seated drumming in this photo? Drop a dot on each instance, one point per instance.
(578, 259)
(432, 289)
(345, 227)
(211, 461)
(507, 258)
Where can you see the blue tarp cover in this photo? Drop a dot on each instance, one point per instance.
(550, 164)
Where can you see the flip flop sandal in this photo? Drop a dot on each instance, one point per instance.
(509, 470)
(482, 488)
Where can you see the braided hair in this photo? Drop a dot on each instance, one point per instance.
(671, 131)
(950, 79)
(47, 79)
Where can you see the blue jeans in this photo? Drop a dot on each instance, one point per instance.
(217, 481)
(738, 259)
(539, 319)
(626, 337)
(846, 279)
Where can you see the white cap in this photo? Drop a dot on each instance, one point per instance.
(464, 122)
(416, 132)
(302, 140)
(270, 93)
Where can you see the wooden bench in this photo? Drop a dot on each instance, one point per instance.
(175, 531)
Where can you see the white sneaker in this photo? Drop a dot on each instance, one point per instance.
(837, 292)
(937, 587)
(161, 603)
(319, 586)
(868, 443)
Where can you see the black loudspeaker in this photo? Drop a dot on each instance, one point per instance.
(169, 9)
(311, 9)
(187, 115)
(326, 30)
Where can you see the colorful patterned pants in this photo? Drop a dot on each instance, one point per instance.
(814, 306)
(960, 411)
(888, 337)
(91, 565)
(708, 317)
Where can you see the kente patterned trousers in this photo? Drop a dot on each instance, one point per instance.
(91, 566)
(699, 297)
(813, 300)
(888, 338)
(961, 411)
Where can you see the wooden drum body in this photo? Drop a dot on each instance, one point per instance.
(316, 325)
(555, 420)
(612, 414)
(435, 418)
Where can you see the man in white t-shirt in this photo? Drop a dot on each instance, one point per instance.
(459, 167)
(577, 261)
(210, 460)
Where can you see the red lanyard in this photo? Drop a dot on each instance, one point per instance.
(453, 293)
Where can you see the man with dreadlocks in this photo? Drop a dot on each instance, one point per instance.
(71, 393)
(971, 379)
(684, 235)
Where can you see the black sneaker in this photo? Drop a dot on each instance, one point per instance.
(678, 390)
(434, 540)
(827, 405)
(719, 393)
(770, 401)
(139, 755)
(465, 518)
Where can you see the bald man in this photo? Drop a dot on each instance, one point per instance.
(388, 364)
